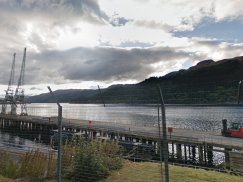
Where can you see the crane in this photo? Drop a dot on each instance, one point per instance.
(9, 92)
(19, 96)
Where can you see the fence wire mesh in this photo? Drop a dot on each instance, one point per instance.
(118, 141)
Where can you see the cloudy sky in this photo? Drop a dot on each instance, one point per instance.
(75, 44)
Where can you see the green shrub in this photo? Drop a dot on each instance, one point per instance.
(94, 160)
(7, 167)
(89, 166)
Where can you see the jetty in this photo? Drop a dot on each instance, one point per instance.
(183, 143)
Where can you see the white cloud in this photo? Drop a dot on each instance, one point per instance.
(93, 41)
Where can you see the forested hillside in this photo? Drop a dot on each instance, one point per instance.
(208, 82)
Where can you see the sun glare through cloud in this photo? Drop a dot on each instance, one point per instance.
(111, 41)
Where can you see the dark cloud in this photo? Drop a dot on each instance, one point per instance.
(96, 64)
(90, 61)
(36, 25)
(100, 63)
(35, 88)
(56, 12)
(209, 43)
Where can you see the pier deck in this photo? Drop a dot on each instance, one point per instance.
(142, 140)
(192, 137)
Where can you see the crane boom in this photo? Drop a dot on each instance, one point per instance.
(9, 92)
(19, 96)
(21, 78)
(11, 80)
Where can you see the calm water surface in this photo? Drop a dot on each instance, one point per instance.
(177, 116)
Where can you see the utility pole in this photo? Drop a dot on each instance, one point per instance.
(59, 136)
(160, 155)
(101, 96)
(165, 143)
(239, 91)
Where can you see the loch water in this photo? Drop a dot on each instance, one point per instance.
(195, 117)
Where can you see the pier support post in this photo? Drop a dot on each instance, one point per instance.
(144, 140)
(185, 152)
(210, 154)
(113, 136)
(94, 134)
(178, 151)
(125, 137)
(200, 153)
(1, 123)
(22, 125)
(205, 153)
(173, 150)
(193, 153)
(227, 160)
(129, 139)
(189, 151)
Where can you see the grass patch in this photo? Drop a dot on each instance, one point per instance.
(147, 171)
(5, 179)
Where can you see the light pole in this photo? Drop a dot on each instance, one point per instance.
(165, 144)
(59, 136)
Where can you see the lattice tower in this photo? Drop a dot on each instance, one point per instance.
(10, 91)
(19, 96)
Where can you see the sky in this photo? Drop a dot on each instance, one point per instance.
(79, 44)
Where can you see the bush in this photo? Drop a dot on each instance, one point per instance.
(7, 167)
(94, 160)
(37, 165)
(89, 166)
(81, 161)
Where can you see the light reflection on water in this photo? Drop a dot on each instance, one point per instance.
(20, 143)
(177, 116)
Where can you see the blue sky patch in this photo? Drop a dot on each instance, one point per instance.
(225, 31)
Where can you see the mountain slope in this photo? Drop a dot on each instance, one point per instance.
(207, 82)
(65, 96)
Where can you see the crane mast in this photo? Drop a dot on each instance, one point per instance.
(19, 96)
(9, 92)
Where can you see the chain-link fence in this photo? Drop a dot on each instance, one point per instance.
(109, 142)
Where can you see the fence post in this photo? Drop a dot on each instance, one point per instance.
(101, 96)
(165, 143)
(59, 137)
(160, 147)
